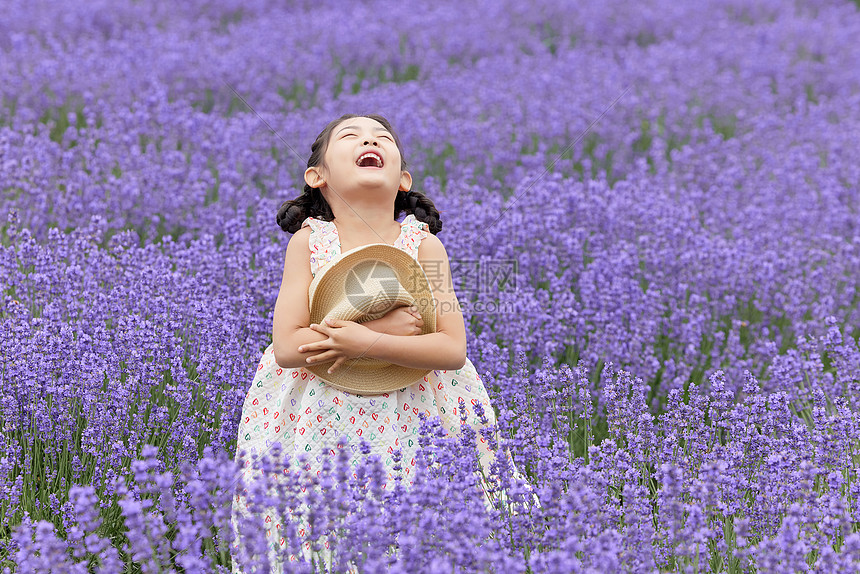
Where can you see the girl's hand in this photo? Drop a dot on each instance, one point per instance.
(400, 321)
(346, 340)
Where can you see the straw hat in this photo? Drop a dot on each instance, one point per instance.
(361, 285)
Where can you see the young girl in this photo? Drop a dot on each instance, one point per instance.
(356, 185)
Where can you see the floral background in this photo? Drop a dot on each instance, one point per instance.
(674, 361)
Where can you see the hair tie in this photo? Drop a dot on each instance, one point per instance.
(406, 197)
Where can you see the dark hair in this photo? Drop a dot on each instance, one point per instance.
(311, 202)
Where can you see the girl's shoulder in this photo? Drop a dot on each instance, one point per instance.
(302, 238)
(430, 247)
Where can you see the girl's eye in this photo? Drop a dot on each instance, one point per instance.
(381, 136)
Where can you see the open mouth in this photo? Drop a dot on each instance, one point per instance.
(369, 159)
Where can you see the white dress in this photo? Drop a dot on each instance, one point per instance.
(303, 413)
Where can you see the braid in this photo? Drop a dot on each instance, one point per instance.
(421, 206)
(310, 203)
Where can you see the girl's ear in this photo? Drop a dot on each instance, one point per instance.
(313, 177)
(405, 180)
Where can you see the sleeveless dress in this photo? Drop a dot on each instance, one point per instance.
(298, 409)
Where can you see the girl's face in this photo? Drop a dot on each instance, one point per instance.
(361, 156)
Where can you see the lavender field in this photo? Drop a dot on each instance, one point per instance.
(674, 363)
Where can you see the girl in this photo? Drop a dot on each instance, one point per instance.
(356, 185)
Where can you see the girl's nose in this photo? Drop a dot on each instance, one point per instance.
(369, 141)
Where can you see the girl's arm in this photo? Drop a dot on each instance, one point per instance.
(444, 349)
(290, 326)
